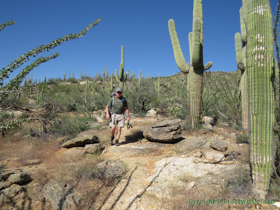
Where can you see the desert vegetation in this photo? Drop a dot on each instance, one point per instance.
(41, 112)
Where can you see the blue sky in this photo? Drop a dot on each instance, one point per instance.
(140, 26)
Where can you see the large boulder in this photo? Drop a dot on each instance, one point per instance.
(81, 141)
(166, 131)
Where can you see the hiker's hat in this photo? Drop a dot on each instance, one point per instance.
(118, 89)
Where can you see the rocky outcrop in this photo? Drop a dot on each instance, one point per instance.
(167, 131)
(56, 193)
(81, 141)
(109, 170)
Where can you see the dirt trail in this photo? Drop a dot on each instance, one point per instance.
(160, 176)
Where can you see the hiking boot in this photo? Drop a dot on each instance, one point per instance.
(117, 142)
(112, 139)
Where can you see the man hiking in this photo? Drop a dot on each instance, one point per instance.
(118, 106)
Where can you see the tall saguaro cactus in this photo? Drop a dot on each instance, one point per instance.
(260, 55)
(122, 77)
(195, 69)
(241, 59)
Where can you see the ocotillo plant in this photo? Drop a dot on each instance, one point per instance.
(260, 55)
(15, 82)
(122, 77)
(241, 59)
(195, 69)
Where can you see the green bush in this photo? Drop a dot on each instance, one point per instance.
(70, 127)
(242, 139)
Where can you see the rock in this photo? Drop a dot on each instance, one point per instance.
(80, 141)
(166, 131)
(32, 161)
(56, 193)
(98, 82)
(213, 155)
(208, 120)
(190, 144)
(20, 178)
(17, 114)
(207, 127)
(219, 145)
(190, 185)
(109, 170)
(5, 184)
(8, 193)
(94, 148)
(232, 135)
(168, 170)
(5, 174)
(151, 113)
(73, 201)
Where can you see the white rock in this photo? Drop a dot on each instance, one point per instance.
(151, 113)
(214, 155)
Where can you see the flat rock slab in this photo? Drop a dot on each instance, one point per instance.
(167, 131)
(81, 141)
(136, 150)
(190, 144)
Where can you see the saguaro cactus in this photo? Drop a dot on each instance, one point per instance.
(241, 59)
(260, 55)
(195, 69)
(122, 77)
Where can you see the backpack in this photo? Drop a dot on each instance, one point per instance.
(113, 94)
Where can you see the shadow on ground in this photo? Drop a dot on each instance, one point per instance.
(135, 137)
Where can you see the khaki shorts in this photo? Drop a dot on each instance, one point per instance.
(117, 119)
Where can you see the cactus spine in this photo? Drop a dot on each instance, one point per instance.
(241, 59)
(122, 77)
(195, 69)
(260, 57)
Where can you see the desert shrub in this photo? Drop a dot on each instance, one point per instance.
(178, 112)
(72, 80)
(53, 81)
(242, 139)
(239, 185)
(221, 95)
(70, 127)
(14, 100)
(60, 88)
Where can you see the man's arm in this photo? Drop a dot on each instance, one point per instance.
(127, 113)
(107, 112)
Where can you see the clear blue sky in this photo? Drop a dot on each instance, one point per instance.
(140, 26)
